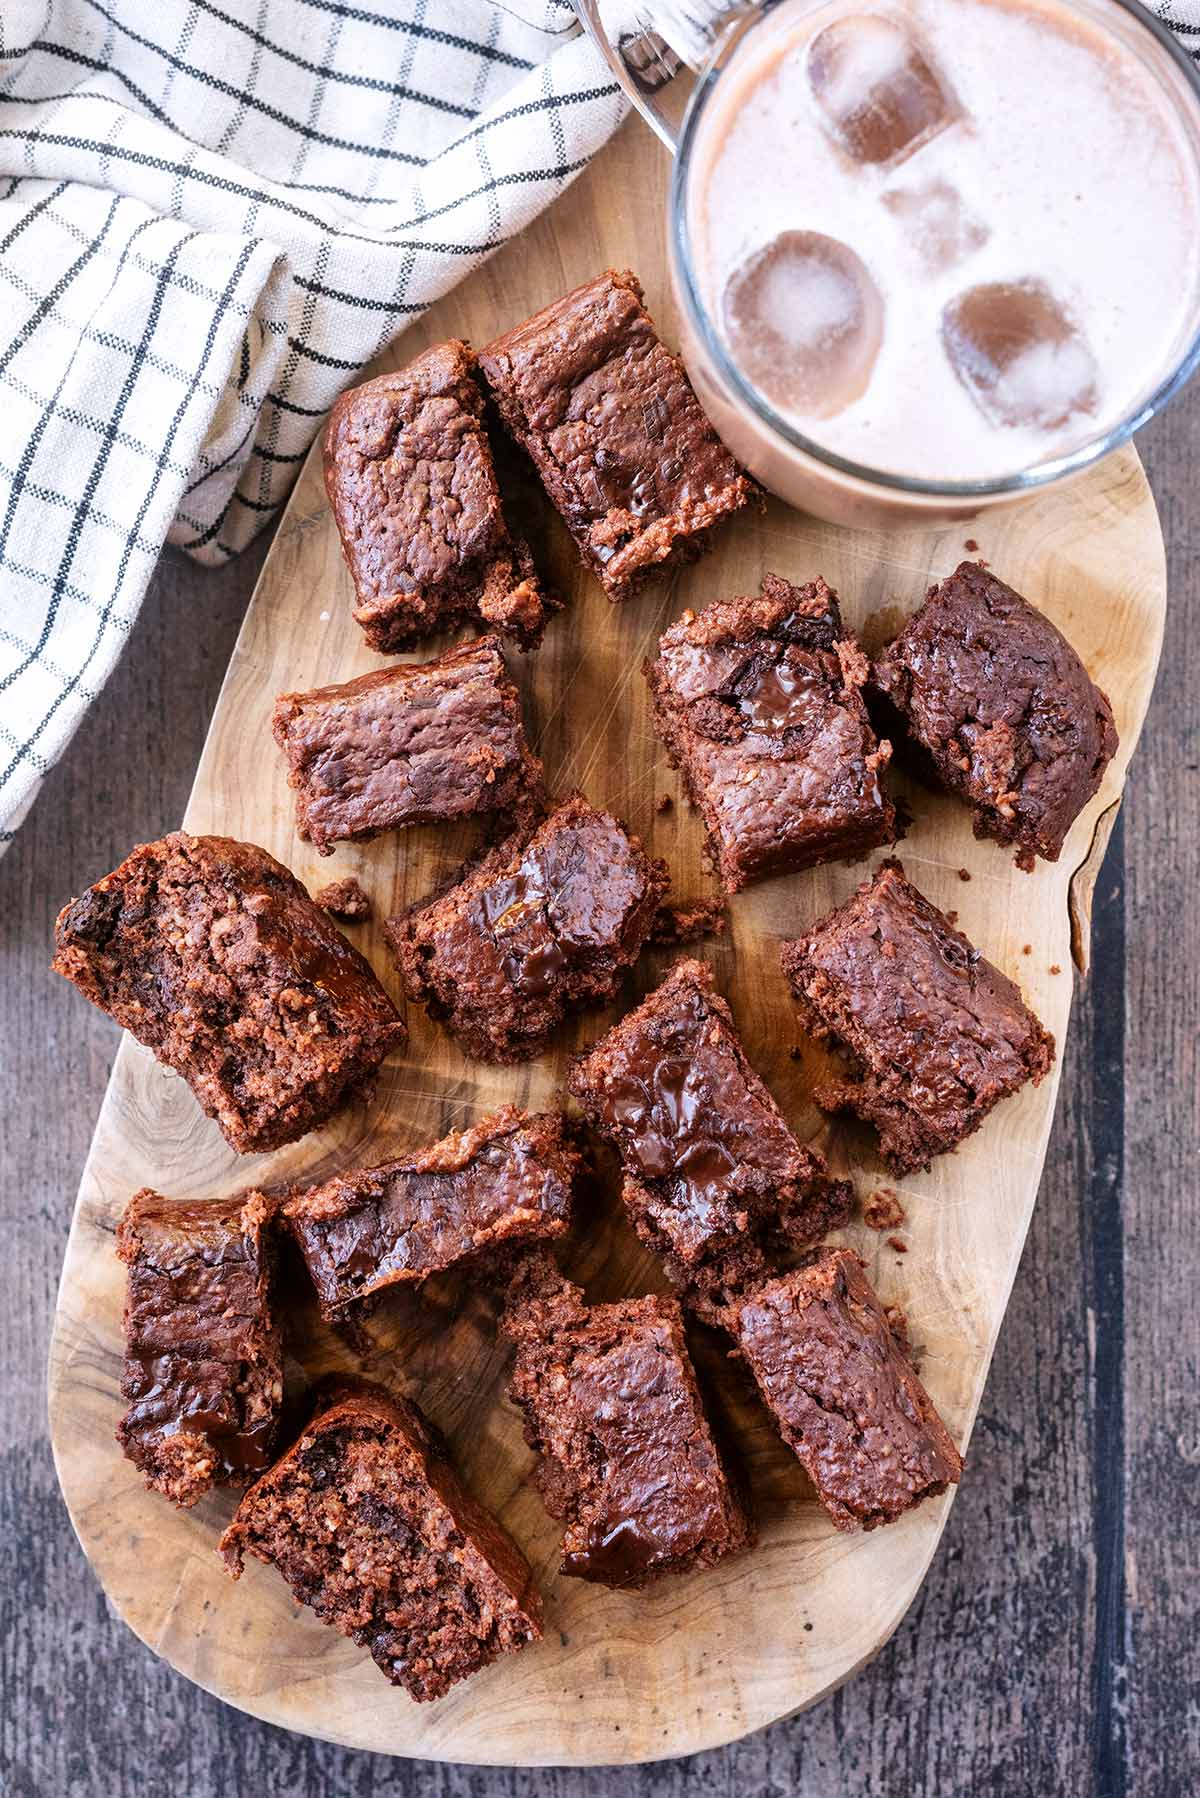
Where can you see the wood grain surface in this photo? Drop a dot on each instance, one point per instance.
(1054, 1645)
(703, 1660)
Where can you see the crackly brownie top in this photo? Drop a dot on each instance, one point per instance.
(613, 1402)
(916, 1001)
(202, 1356)
(671, 1087)
(409, 475)
(1003, 704)
(419, 742)
(618, 432)
(508, 1177)
(844, 1393)
(759, 700)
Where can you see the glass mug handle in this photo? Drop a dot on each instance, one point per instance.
(647, 42)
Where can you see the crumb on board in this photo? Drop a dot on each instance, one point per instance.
(344, 899)
(897, 1323)
(882, 1209)
(953, 916)
(796, 1052)
(663, 803)
(964, 873)
(1054, 968)
(1026, 948)
(675, 924)
(898, 1243)
(970, 546)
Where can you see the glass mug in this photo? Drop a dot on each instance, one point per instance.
(646, 42)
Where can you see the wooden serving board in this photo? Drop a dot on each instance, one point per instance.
(703, 1659)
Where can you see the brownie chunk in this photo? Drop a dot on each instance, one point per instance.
(410, 478)
(344, 899)
(843, 1394)
(609, 417)
(505, 1180)
(215, 957)
(1003, 709)
(714, 1180)
(612, 1407)
(416, 744)
(203, 1362)
(935, 1035)
(369, 1524)
(544, 923)
(760, 706)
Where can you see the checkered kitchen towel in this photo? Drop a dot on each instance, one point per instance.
(213, 213)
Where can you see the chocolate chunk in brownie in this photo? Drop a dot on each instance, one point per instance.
(612, 1407)
(416, 744)
(760, 706)
(714, 1180)
(368, 1522)
(1002, 708)
(935, 1035)
(505, 1180)
(409, 474)
(609, 417)
(843, 1394)
(345, 899)
(544, 923)
(215, 957)
(203, 1363)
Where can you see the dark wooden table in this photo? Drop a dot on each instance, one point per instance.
(1055, 1647)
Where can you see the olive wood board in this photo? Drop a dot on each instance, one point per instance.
(703, 1659)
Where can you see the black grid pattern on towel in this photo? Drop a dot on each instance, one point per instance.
(213, 214)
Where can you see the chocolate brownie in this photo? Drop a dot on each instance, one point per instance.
(627, 1456)
(368, 1522)
(203, 1362)
(416, 744)
(215, 957)
(409, 474)
(759, 703)
(714, 1180)
(843, 1394)
(935, 1035)
(543, 924)
(609, 417)
(505, 1180)
(1003, 709)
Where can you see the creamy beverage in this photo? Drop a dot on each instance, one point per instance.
(946, 239)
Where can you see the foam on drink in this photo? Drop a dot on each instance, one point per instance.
(948, 238)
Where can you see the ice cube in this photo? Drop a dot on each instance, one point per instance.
(804, 320)
(1019, 354)
(936, 225)
(879, 94)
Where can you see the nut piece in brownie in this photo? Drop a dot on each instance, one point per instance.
(714, 1180)
(608, 416)
(214, 956)
(416, 744)
(1003, 709)
(545, 922)
(368, 1522)
(935, 1035)
(612, 1407)
(505, 1180)
(409, 474)
(843, 1394)
(203, 1366)
(759, 703)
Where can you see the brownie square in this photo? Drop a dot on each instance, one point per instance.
(214, 956)
(505, 1180)
(714, 1180)
(1003, 710)
(203, 1362)
(544, 923)
(935, 1035)
(368, 1522)
(416, 744)
(843, 1394)
(409, 474)
(608, 416)
(627, 1456)
(759, 703)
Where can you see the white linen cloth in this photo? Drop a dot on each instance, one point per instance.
(213, 213)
